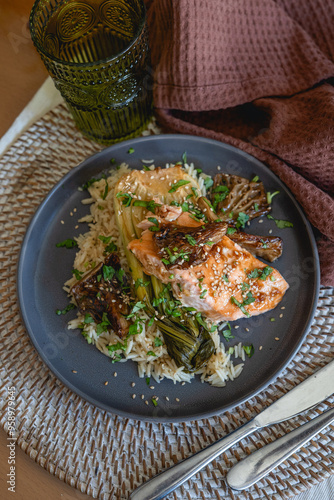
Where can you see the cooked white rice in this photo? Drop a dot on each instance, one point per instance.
(101, 220)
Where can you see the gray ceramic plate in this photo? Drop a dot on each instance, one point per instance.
(43, 269)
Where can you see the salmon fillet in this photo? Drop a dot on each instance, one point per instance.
(225, 283)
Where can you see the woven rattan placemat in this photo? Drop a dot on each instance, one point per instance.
(102, 454)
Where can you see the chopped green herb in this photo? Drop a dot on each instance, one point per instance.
(149, 205)
(249, 350)
(264, 244)
(89, 183)
(208, 182)
(171, 277)
(231, 230)
(255, 179)
(117, 347)
(106, 190)
(147, 380)
(88, 319)
(227, 334)
(270, 196)
(190, 239)
(150, 323)
(158, 342)
(130, 151)
(110, 248)
(272, 319)
(127, 198)
(103, 326)
(140, 282)
(245, 286)
(266, 272)
(256, 207)
(165, 261)
(108, 272)
(112, 161)
(247, 301)
(210, 243)
(242, 219)
(135, 328)
(150, 353)
(201, 321)
(262, 274)
(116, 358)
(146, 168)
(281, 224)
(68, 308)
(105, 239)
(230, 350)
(194, 190)
(137, 307)
(154, 401)
(199, 170)
(184, 157)
(77, 273)
(203, 294)
(178, 184)
(69, 243)
(225, 278)
(100, 207)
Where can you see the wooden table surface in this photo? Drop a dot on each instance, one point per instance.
(22, 73)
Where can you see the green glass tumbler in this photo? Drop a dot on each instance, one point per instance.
(97, 54)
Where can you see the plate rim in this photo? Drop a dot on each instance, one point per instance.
(172, 419)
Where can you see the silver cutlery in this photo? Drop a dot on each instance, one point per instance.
(257, 465)
(308, 393)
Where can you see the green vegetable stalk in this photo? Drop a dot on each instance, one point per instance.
(186, 336)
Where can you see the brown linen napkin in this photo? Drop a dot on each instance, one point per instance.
(255, 74)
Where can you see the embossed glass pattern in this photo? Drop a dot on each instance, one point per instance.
(98, 57)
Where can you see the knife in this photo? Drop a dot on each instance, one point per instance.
(257, 465)
(308, 393)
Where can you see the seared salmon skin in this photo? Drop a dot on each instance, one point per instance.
(206, 269)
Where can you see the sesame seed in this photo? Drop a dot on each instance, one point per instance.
(74, 371)
(260, 221)
(276, 338)
(62, 222)
(133, 396)
(281, 315)
(167, 398)
(260, 348)
(71, 214)
(106, 382)
(177, 399)
(283, 307)
(237, 326)
(151, 386)
(115, 374)
(218, 168)
(247, 329)
(270, 231)
(142, 396)
(76, 227)
(146, 402)
(183, 383)
(133, 384)
(74, 209)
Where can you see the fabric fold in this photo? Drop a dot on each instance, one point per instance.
(257, 74)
